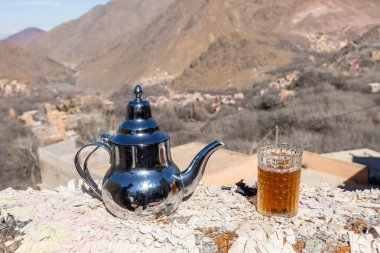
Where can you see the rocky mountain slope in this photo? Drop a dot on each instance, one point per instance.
(177, 37)
(26, 36)
(27, 66)
(337, 19)
(99, 30)
(209, 44)
(233, 61)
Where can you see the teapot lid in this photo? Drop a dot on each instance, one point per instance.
(139, 128)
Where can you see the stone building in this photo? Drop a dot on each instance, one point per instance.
(375, 87)
(375, 55)
(12, 113)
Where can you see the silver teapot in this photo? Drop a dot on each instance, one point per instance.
(143, 181)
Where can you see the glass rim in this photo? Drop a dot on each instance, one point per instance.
(298, 150)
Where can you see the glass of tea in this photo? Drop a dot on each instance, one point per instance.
(278, 179)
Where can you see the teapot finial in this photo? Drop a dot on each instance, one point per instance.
(138, 92)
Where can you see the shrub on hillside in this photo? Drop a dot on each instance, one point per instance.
(18, 155)
(377, 100)
(192, 112)
(167, 119)
(269, 100)
(186, 136)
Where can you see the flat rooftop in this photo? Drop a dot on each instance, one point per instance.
(226, 167)
(368, 157)
(348, 155)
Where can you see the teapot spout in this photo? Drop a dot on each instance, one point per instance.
(193, 174)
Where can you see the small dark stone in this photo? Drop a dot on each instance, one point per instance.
(245, 190)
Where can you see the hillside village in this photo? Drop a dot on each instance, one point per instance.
(322, 44)
(55, 123)
(52, 123)
(9, 87)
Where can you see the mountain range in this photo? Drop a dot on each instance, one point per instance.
(204, 44)
(208, 44)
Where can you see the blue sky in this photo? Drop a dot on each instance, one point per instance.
(16, 15)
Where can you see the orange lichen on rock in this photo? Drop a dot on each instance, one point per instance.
(223, 240)
(165, 222)
(357, 227)
(299, 246)
(344, 249)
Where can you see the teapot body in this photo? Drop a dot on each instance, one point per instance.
(142, 182)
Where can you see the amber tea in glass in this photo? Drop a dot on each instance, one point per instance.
(279, 172)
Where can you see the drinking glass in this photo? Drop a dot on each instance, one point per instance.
(279, 172)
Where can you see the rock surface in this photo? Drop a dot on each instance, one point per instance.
(71, 220)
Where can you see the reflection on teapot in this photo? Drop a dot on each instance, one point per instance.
(143, 181)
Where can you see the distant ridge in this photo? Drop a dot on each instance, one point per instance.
(27, 66)
(97, 31)
(26, 36)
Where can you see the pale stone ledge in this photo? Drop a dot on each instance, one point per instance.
(71, 220)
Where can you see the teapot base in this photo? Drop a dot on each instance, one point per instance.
(143, 194)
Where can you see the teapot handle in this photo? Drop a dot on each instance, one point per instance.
(84, 173)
